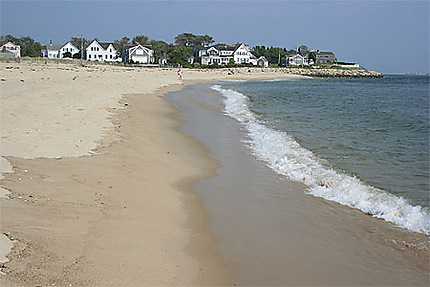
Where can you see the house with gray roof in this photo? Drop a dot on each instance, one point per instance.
(103, 52)
(262, 62)
(324, 57)
(68, 48)
(296, 60)
(223, 55)
(51, 50)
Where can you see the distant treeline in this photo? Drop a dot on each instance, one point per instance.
(179, 52)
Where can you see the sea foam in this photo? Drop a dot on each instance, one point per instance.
(286, 156)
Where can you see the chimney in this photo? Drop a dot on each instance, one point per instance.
(50, 42)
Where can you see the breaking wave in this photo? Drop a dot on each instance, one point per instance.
(286, 156)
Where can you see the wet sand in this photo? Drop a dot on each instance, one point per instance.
(271, 233)
(102, 192)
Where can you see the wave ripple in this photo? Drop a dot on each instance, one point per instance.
(285, 156)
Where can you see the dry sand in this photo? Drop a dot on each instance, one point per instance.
(99, 194)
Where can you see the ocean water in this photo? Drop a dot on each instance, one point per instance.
(363, 143)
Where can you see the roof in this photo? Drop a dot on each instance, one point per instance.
(70, 45)
(10, 44)
(52, 47)
(199, 48)
(225, 48)
(134, 48)
(295, 56)
(106, 45)
(128, 46)
(325, 53)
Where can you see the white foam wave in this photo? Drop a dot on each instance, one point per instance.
(285, 156)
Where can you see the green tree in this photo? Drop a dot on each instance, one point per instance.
(185, 39)
(8, 38)
(141, 39)
(259, 51)
(191, 40)
(29, 48)
(272, 54)
(78, 42)
(122, 45)
(161, 49)
(204, 40)
(179, 54)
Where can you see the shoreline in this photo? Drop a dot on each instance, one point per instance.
(92, 201)
(269, 226)
(61, 124)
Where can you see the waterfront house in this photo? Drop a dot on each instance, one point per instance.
(223, 55)
(324, 57)
(51, 50)
(68, 47)
(296, 60)
(262, 62)
(217, 55)
(139, 54)
(11, 49)
(103, 52)
(243, 55)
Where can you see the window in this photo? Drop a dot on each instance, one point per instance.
(89, 56)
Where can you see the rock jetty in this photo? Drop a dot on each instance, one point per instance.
(333, 73)
(310, 72)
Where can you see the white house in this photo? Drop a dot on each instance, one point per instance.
(103, 52)
(217, 55)
(223, 55)
(262, 62)
(139, 54)
(10, 47)
(68, 47)
(243, 55)
(51, 50)
(296, 60)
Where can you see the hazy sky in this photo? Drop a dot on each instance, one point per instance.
(387, 36)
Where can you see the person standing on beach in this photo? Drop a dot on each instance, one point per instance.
(180, 74)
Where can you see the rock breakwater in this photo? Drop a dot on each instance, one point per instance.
(334, 73)
(310, 72)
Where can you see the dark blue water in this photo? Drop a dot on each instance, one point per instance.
(374, 129)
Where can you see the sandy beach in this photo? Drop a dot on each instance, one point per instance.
(98, 189)
(97, 179)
